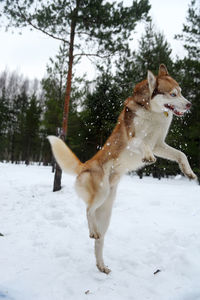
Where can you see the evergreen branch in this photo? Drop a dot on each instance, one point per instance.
(47, 33)
(40, 29)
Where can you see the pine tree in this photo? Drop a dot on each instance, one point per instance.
(101, 108)
(132, 68)
(31, 131)
(191, 31)
(4, 110)
(153, 50)
(17, 123)
(188, 71)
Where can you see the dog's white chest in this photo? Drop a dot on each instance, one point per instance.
(150, 128)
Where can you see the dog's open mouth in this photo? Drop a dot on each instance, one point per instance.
(174, 110)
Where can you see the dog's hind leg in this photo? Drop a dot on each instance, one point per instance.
(94, 234)
(103, 214)
(92, 208)
(93, 196)
(99, 256)
(97, 200)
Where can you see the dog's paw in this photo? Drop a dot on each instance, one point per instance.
(95, 235)
(103, 269)
(191, 176)
(149, 159)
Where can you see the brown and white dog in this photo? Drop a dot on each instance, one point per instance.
(138, 135)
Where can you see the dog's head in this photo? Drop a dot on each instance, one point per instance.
(165, 93)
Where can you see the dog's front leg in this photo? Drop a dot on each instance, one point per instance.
(165, 151)
(137, 145)
(148, 156)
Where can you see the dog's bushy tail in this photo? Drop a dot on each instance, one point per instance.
(66, 159)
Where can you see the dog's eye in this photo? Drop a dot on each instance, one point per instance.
(173, 95)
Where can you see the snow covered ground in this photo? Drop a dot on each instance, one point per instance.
(46, 254)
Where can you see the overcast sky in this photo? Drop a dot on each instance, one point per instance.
(29, 53)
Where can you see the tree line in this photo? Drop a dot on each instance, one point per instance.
(29, 111)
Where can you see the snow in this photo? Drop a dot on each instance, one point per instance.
(46, 254)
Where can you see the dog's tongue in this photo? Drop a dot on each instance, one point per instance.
(172, 108)
(178, 113)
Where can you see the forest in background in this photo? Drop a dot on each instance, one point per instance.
(32, 110)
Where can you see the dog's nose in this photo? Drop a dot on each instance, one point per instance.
(188, 105)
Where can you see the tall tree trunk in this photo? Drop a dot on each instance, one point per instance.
(58, 173)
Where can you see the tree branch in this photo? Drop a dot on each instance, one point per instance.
(82, 32)
(92, 54)
(40, 29)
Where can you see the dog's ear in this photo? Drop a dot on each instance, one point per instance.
(151, 81)
(162, 70)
